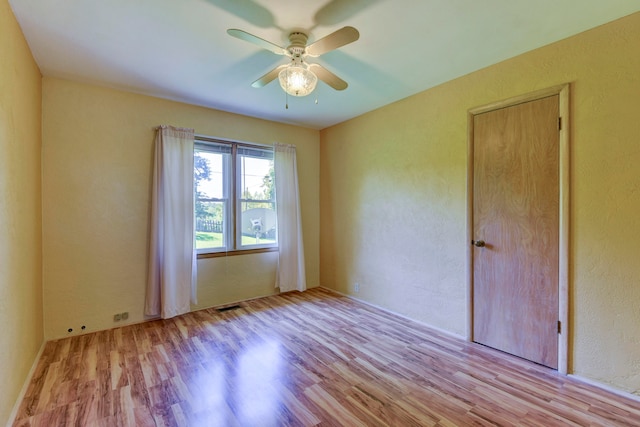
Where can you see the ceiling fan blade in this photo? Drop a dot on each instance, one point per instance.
(343, 36)
(243, 35)
(328, 77)
(269, 77)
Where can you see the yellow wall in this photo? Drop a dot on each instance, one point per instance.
(97, 159)
(20, 211)
(393, 196)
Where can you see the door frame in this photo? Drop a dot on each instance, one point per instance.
(563, 227)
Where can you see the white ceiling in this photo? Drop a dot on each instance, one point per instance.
(179, 49)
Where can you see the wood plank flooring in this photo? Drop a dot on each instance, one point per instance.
(301, 359)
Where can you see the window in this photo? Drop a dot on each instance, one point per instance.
(235, 205)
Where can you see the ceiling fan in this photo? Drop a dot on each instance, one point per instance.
(299, 77)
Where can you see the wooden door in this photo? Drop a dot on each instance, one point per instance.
(515, 229)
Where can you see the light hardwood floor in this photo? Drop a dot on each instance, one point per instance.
(301, 359)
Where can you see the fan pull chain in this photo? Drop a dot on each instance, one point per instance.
(286, 96)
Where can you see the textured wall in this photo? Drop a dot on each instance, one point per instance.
(20, 211)
(97, 159)
(393, 212)
(393, 196)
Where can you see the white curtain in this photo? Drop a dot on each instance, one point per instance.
(172, 259)
(291, 274)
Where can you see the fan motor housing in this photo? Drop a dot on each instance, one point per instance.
(298, 42)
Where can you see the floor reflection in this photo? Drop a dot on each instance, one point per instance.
(240, 387)
(258, 371)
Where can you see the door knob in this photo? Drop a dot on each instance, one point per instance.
(478, 243)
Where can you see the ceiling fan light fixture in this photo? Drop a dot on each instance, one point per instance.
(297, 80)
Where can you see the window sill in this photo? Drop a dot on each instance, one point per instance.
(236, 252)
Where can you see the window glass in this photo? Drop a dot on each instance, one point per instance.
(228, 220)
(211, 169)
(256, 198)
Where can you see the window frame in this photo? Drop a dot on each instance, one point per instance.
(233, 210)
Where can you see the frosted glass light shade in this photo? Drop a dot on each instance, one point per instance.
(297, 80)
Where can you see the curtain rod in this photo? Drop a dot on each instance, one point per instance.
(219, 139)
(216, 138)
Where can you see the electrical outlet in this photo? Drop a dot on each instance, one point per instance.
(125, 315)
(117, 317)
(356, 287)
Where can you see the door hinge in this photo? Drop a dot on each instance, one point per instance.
(559, 327)
(559, 123)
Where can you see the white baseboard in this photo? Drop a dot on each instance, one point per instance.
(25, 386)
(606, 387)
(386, 310)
